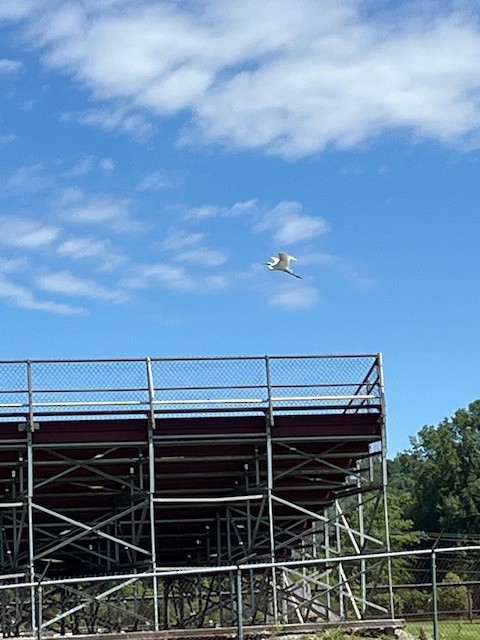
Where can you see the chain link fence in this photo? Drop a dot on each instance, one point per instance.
(435, 589)
(437, 592)
(46, 389)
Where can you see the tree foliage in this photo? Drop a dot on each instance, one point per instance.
(437, 481)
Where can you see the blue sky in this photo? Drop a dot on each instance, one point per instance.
(154, 154)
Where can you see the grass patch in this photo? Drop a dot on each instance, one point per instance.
(447, 630)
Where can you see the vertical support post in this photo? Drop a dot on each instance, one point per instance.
(228, 516)
(218, 536)
(338, 538)
(326, 535)
(385, 479)
(361, 527)
(39, 607)
(268, 428)
(434, 595)
(151, 393)
(29, 433)
(30, 394)
(249, 538)
(239, 604)
(151, 490)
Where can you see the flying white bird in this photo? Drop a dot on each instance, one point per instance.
(282, 263)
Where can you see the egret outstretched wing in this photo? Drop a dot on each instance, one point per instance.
(282, 263)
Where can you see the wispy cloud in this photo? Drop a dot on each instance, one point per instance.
(65, 283)
(25, 233)
(7, 138)
(11, 66)
(31, 178)
(113, 212)
(87, 164)
(106, 164)
(190, 249)
(346, 267)
(303, 296)
(16, 9)
(202, 257)
(157, 180)
(181, 239)
(290, 225)
(175, 278)
(292, 82)
(132, 122)
(103, 251)
(20, 296)
(287, 221)
(214, 211)
(9, 265)
(82, 167)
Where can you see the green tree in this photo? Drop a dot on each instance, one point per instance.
(453, 598)
(438, 480)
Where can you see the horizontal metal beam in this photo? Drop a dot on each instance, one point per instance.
(205, 500)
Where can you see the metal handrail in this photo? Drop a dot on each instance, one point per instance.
(365, 393)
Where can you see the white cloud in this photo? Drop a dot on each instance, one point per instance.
(295, 297)
(292, 81)
(75, 206)
(79, 248)
(20, 296)
(175, 278)
(204, 211)
(187, 248)
(11, 66)
(351, 272)
(9, 265)
(213, 211)
(7, 138)
(287, 221)
(16, 9)
(181, 239)
(157, 180)
(132, 122)
(82, 167)
(202, 257)
(25, 233)
(290, 225)
(106, 164)
(30, 178)
(66, 283)
(87, 164)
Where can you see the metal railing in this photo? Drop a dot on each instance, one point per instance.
(45, 389)
(237, 583)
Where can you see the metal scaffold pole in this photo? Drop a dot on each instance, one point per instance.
(30, 479)
(268, 428)
(151, 489)
(383, 445)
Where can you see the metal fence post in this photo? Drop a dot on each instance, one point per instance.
(434, 596)
(39, 607)
(239, 604)
(269, 448)
(385, 480)
(30, 484)
(151, 489)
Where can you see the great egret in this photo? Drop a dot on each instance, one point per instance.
(282, 263)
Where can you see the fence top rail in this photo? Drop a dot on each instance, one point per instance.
(192, 358)
(287, 564)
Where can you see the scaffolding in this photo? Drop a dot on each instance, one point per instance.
(162, 479)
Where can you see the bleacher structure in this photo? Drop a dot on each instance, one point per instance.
(180, 493)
